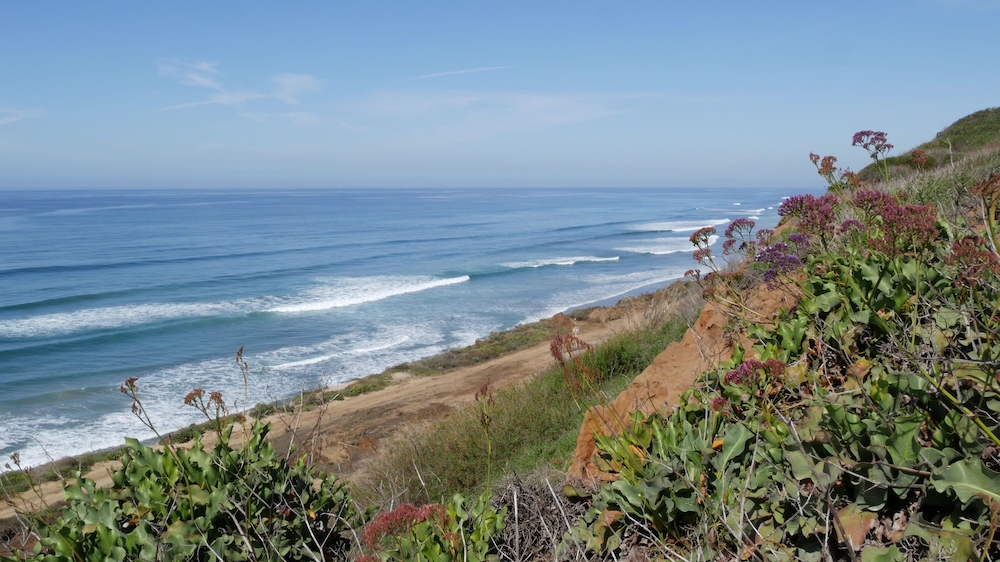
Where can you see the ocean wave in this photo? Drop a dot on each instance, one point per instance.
(663, 246)
(329, 356)
(605, 287)
(110, 318)
(332, 293)
(677, 226)
(360, 290)
(274, 375)
(557, 261)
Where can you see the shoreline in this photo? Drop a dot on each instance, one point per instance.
(341, 429)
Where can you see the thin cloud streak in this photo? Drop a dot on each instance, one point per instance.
(10, 115)
(454, 72)
(288, 88)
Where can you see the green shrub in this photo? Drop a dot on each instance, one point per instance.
(867, 421)
(176, 504)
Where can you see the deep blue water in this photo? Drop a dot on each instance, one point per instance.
(319, 286)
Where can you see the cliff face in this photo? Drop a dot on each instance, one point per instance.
(705, 345)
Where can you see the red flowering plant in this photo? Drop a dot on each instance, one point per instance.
(838, 179)
(461, 530)
(920, 160)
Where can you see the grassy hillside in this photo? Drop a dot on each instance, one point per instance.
(979, 131)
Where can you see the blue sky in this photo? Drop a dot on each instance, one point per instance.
(428, 94)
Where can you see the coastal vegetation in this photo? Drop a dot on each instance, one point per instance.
(531, 424)
(861, 424)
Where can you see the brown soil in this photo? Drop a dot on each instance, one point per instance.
(704, 345)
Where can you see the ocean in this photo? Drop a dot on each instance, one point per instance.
(319, 286)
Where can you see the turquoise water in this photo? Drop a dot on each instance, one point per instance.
(319, 286)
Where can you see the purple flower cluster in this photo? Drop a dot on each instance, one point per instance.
(800, 241)
(815, 214)
(779, 259)
(751, 369)
(875, 142)
(850, 225)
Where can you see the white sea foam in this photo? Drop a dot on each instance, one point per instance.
(754, 217)
(359, 351)
(605, 287)
(663, 246)
(359, 290)
(557, 261)
(273, 375)
(329, 294)
(677, 226)
(737, 204)
(111, 317)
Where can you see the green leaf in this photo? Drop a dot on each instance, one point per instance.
(969, 479)
(882, 554)
(800, 464)
(733, 445)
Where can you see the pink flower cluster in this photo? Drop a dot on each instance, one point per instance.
(815, 214)
(719, 402)
(875, 142)
(973, 258)
(903, 226)
(751, 370)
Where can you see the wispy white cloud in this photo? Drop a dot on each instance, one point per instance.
(514, 108)
(454, 72)
(199, 73)
(10, 115)
(292, 118)
(286, 88)
(289, 87)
